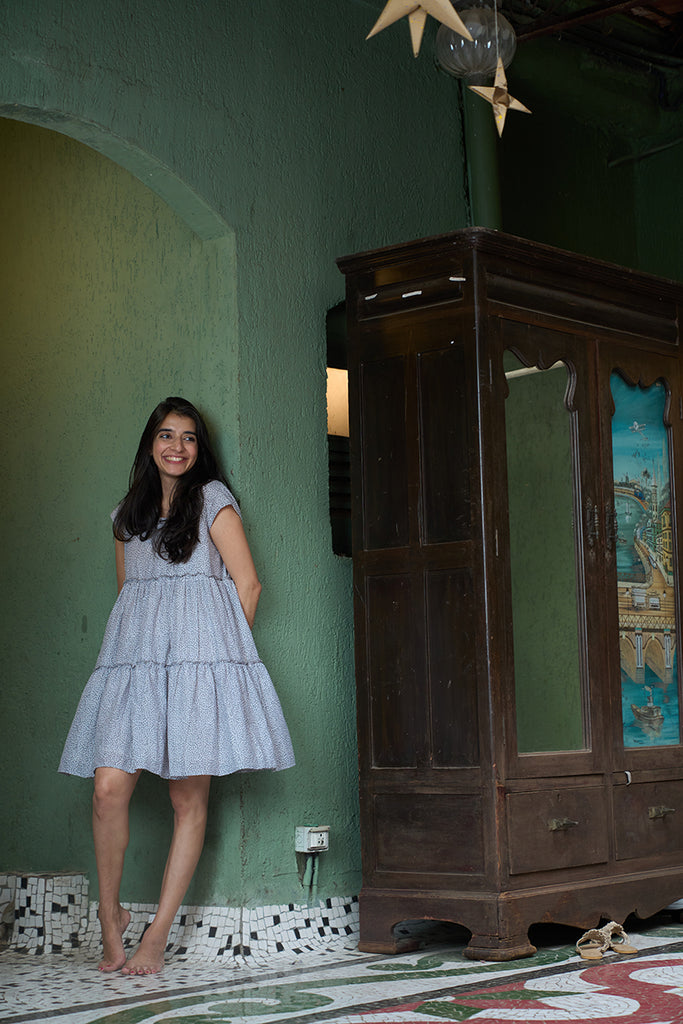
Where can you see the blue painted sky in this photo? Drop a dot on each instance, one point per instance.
(637, 449)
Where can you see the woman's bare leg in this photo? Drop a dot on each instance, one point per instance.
(190, 799)
(113, 790)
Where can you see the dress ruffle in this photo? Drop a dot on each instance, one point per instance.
(178, 688)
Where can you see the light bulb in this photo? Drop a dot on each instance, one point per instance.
(464, 59)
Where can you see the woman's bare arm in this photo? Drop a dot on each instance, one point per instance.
(228, 535)
(119, 549)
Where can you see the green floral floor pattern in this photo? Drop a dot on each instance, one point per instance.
(428, 987)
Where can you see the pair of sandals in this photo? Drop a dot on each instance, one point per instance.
(597, 941)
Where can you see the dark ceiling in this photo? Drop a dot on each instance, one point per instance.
(649, 30)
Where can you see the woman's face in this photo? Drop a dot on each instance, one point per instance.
(175, 447)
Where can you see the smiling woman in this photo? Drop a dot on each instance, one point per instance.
(174, 452)
(178, 689)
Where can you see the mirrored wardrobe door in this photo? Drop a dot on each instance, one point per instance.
(554, 547)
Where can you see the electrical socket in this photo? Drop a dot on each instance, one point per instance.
(311, 838)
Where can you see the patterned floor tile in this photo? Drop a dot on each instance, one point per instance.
(341, 986)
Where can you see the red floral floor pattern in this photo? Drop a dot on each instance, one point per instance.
(648, 990)
(428, 986)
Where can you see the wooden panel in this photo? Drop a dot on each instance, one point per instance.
(558, 828)
(404, 295)
(385, 473)
(451, 644)
(395, 671)
(648, 819)
(444, 445)
(429, 833)
(631, 311)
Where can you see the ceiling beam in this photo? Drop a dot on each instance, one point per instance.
(547, 26)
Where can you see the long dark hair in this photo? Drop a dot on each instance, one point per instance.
(139, 512)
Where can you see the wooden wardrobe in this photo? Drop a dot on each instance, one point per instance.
(517, 461)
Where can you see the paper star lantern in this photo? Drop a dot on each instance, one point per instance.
(417, 16)
(499, 97)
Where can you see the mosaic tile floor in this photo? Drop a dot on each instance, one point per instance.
(342, 986)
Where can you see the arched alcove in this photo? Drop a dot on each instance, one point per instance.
(204, 221)
(112, 299)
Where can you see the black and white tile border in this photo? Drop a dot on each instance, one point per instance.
(51, 913)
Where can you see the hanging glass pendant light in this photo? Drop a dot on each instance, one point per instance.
(492, 37)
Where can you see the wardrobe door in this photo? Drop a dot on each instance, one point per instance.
(555, 559)
(418, 599)
(642, 453)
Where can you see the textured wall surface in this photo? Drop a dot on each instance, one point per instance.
(272, 139)
(597, 168)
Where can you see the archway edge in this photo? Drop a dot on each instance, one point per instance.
(200, 217)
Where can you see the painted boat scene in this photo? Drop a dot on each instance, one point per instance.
(645, 566)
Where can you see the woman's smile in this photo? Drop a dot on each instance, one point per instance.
(175, 447)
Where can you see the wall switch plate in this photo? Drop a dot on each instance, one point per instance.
(311, 838)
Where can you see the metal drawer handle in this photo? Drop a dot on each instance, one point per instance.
(561, 824)
(661, 811)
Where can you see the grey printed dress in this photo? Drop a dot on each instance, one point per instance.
(178, 688)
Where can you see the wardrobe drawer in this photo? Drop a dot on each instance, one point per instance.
(558, 828)
(428, 833)
(648, 818)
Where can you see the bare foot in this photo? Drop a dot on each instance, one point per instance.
(113, 953)
(148, 957)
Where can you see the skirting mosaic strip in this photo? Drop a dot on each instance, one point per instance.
(50, 913)
(43, 913)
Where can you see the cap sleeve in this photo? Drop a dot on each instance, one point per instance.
(216, 497)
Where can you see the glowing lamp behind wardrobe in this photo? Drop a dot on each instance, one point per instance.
(337, 402)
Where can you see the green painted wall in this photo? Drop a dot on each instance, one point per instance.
(280, 140)
(659, 182)
(580, 172)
